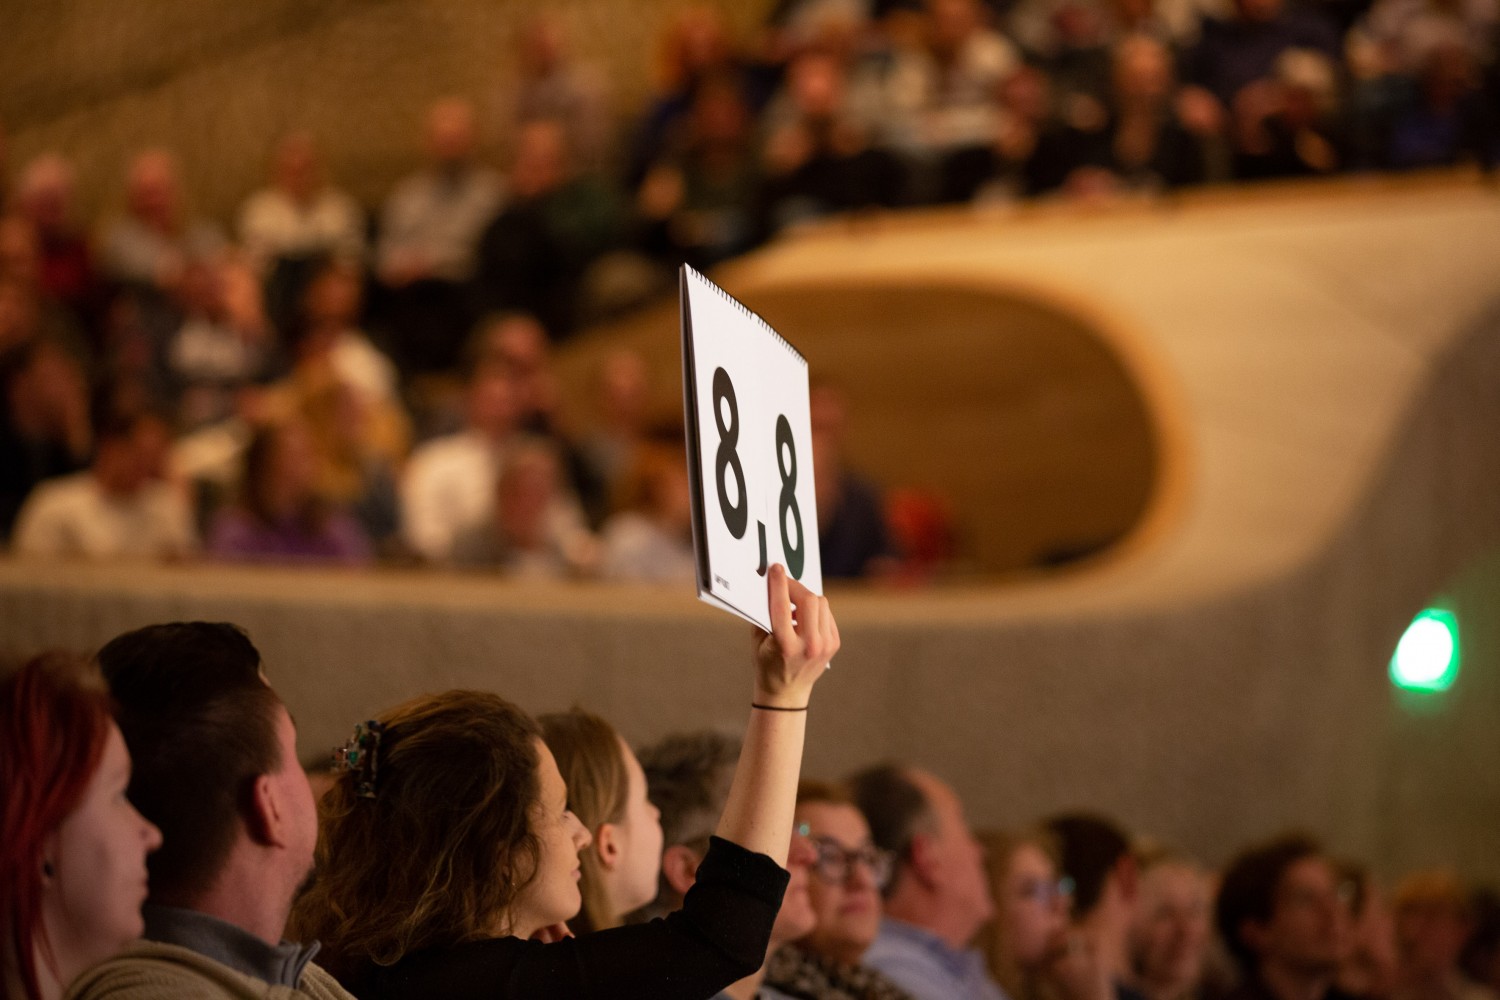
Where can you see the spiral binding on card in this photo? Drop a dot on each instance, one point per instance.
(747, 312)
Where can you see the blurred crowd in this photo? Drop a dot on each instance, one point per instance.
(323, 382)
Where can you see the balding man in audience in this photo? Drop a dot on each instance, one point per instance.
(433, 217)
(149, 247)
(429, 237)
(215, 767)
(938, 897)
(1280, 914)
(45, 197)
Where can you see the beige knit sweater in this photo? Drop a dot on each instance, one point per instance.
(148, 970)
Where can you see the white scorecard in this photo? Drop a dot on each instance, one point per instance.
(749, 452)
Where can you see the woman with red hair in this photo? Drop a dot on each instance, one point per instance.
(72, 848)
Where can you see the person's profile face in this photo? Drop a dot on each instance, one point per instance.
(91, 902)
(640, 838)
(1034, 911)
(961, 855)
(796, 918)
(551, 896)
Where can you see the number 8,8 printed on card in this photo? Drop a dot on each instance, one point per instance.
(727, 460)
(750, 451)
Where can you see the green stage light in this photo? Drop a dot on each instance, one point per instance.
(1426, 658)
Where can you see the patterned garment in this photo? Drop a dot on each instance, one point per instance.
(809, 976)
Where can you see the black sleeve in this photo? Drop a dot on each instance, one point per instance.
(718, 937)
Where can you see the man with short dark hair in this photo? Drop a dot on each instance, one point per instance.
(687, 778)
(215, 767)
(1096, 855)
(939, 896)
(1280, 914)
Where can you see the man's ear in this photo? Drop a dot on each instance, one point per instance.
(924, 859)
(265, 817)
(679, 866)
(607, 845)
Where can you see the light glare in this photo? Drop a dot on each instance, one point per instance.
(1426, 658)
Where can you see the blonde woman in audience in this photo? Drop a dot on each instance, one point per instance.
(1433, 920)
(450, 845)
(72, 848)
(346, 392)
(327, 333)
(1030, 927)
(607, 792)
(358, 446)
(1170, 936)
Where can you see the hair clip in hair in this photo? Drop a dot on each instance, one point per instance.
(361, 755)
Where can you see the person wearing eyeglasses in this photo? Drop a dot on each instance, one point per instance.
(847, 874)
(1030, 930)
(1281, 914)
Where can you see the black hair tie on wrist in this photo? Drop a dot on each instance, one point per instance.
(776, 708)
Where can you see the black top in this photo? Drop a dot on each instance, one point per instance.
(718, 937)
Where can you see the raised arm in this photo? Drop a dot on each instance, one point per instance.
(788, 662)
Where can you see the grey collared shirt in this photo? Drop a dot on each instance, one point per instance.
(926, 967)
(279, 965)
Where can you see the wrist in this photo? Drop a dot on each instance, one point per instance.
(781, 700)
